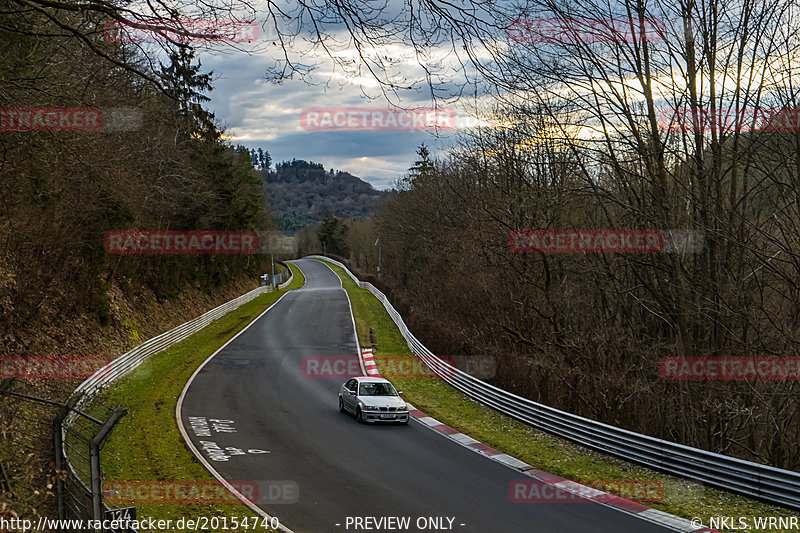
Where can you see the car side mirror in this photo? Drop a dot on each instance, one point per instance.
(400, 393)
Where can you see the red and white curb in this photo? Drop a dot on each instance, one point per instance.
(589, 493)
(369, 363)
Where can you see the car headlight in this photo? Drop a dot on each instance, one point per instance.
(369, 408)
(403, 407)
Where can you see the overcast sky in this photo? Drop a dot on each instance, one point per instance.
(260, 114)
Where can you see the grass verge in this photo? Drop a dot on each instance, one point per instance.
(146, 444)
(537, 448)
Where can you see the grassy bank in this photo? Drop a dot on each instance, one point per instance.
(536, 448)
(146, 444)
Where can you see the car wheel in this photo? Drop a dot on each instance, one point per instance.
(341, 405)
(359, 416)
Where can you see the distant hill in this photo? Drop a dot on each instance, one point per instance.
(302, 193)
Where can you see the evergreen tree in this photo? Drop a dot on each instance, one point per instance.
(421, 169)
(264, 159)
(185, 83)
(332, 234)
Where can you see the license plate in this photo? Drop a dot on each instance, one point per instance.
(387, 416)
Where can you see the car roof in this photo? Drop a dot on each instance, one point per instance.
(371, 379)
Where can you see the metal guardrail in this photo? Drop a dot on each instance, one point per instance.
(275, 280)
(85, 393)
(767, 483)
(132, 359)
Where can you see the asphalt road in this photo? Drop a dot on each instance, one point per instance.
(318, 470)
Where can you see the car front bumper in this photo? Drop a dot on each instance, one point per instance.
(381, 416)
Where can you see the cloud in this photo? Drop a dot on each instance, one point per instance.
(262, 114)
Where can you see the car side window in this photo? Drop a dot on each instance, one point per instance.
(351, 385)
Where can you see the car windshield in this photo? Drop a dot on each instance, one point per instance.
(376, 389)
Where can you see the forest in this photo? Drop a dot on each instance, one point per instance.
(303, 193)
(684, 123)
(112, 142)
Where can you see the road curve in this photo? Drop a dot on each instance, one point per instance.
(254, 415)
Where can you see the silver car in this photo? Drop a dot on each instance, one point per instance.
(373, 400)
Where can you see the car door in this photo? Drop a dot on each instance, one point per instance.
(349, 395)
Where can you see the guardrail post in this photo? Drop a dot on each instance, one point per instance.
(94, 458)
(58, 452)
